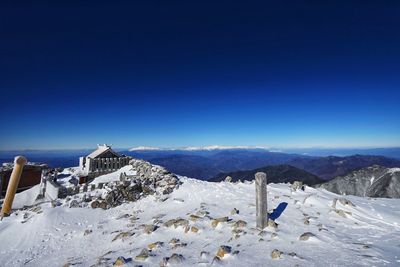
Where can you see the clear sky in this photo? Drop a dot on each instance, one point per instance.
(171, 74)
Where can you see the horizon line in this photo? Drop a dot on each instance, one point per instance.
(209, 148)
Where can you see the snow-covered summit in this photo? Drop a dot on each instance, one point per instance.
(203, 223)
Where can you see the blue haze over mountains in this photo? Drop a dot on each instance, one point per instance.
(207, 164)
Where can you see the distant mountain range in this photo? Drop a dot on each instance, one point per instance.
(331, 166)
(206, 164)
(373, 181)
(275, 174)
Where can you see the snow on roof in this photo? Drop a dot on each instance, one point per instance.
(100, 150)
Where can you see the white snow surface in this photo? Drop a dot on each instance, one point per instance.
(370, 236)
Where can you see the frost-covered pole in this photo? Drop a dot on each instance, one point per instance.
(19, 163)
(261, 200)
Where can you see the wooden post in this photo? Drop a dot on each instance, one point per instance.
(19, 163)
(261, 200)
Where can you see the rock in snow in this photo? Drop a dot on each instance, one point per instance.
(374, 181)
(153, 229)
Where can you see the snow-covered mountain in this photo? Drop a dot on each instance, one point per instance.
(197, 148)
(201, 223)
(374, 181)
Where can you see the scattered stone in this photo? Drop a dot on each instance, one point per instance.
(176, 259)
(95, 204)
(181, 222)
(103, 205)
(345, 202)
(169, 223)
(306, 221)
(87, 232)
(123, 216)
(194, 229)
(155, 245)
(123, 235)
(172, 260)
(120, 261)
(237, 231)
(262, 233)
(292, 254)
(202, 213)
(228, 179)
(215, 222)
(239, 224)
(306, 236)
(273, 224)
(143, 255)
(174, 241)
(273, 235)
(194, 218)
(296, 185)
(234, 211)
(223, 250)
(341, 213)
(276, 254)
(74, 204)
(149, 228)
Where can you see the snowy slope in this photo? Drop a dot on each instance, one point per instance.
(367, 235)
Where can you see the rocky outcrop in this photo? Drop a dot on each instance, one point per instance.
(148, 180)
(374, 181)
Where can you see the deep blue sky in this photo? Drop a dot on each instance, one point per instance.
(273, 73)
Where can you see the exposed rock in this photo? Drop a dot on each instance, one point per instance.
(345, 202)
(228, 179)
(95, 204)
(149, 228)
(272, 223)
(223, 250)
(155, 245)
(306, 236)
(172, 260)
(194, 218)
(215, 222)
(87, 232)
(239, 224)
(234, 211)
(120, 261)
(276, 254)
(194, 229)
(74, 204)
(306, 221)
(169, 223)
(202, 213)
(374, 181)
(181, 222)
(143, 255)
(175, 243)
(103, 205)
(123, 235)
(296, 185)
